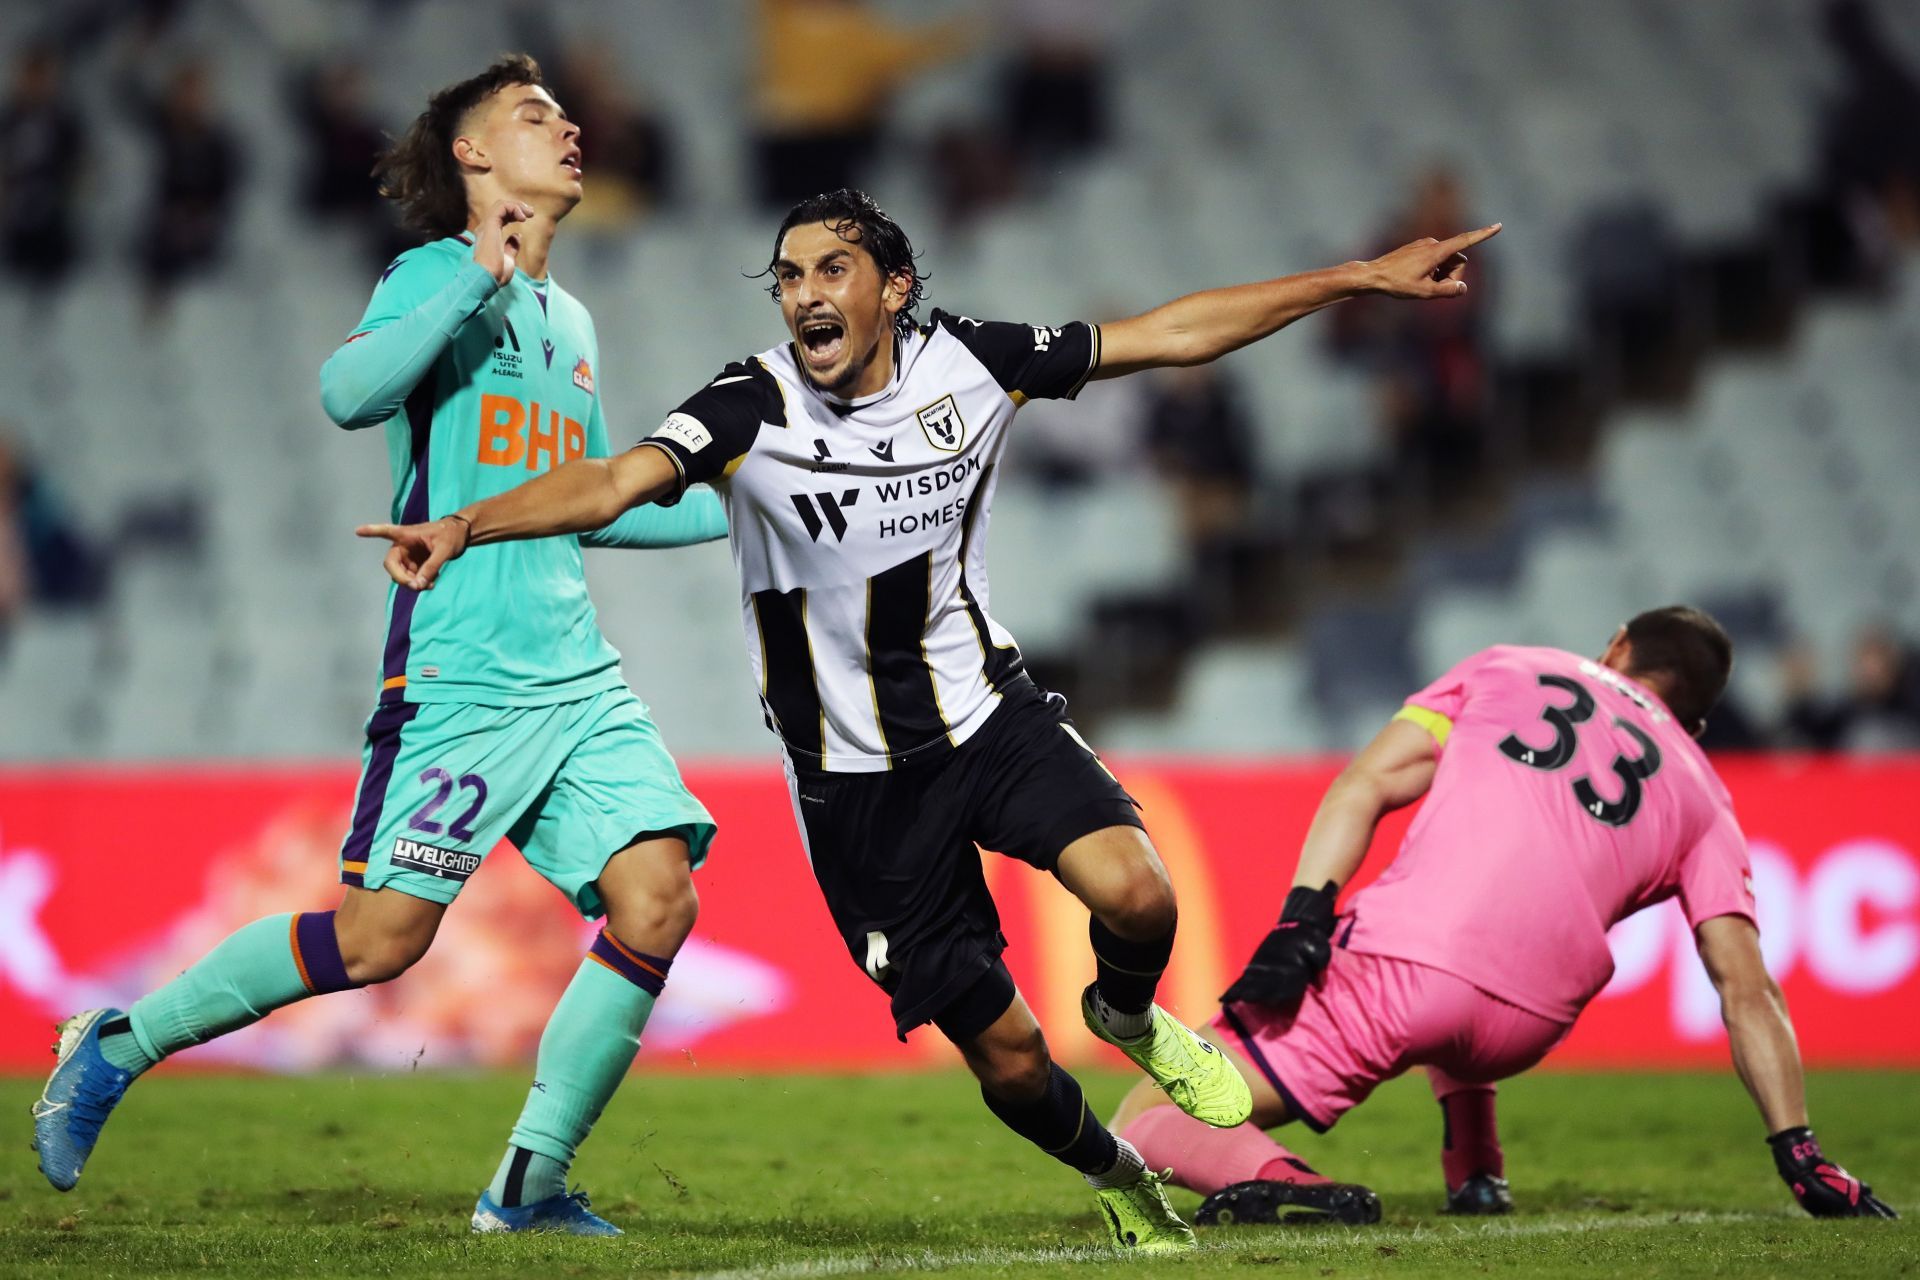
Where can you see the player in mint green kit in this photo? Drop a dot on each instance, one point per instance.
(502, 710)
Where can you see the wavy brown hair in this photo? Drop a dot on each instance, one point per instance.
(417, 171)
(854, 217)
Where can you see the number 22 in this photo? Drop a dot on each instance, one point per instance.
(460, 828)
(1631, 770)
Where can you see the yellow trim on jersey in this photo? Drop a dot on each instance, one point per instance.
(1075, 735)
(786, 414)
(1018, 397)
(1092, 364)
(354, 868)
(1427, 718)
(394, 682)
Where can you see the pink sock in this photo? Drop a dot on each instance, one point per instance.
(1205, 1159)
(1470, 1138)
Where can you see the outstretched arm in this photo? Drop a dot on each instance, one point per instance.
(1767, 1057)
(699, 517)
(700, 441)
(1205, 326)
(579, 496)
(1392, 771)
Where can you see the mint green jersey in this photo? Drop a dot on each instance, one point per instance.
(481, 387)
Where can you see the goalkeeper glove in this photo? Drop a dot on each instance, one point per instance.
(1293, 954)
(1822, 1187)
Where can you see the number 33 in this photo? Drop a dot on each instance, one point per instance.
(1631, 770)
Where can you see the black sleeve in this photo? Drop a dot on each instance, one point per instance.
(1030, 361)
(715, 427)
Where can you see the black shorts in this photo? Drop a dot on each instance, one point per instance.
(894, 852)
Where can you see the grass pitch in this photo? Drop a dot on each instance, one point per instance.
(1650, 1175)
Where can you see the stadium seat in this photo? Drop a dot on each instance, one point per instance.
(1234, 699)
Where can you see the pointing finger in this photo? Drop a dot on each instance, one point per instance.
(1466, 240)
(388, 531)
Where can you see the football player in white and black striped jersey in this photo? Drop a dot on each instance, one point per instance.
(857, 462)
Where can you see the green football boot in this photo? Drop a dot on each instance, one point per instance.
(1196, 1076)
(1141, 1220)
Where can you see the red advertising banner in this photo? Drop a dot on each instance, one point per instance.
(113, 880)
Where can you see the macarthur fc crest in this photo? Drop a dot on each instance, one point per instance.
(941, 421)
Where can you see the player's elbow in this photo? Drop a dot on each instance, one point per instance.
(1182, 348)
(345, 399)
(1361, 788)
(347, 411)
(609, 506)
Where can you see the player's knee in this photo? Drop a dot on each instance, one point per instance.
(1017, 1069)
(659, 920)
(1142, 905)
(371, 957)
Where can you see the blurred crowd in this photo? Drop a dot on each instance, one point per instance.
(1432, 373)
(812, 131)
(46, 557)
(1872, 706)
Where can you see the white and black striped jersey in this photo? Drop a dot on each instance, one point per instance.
(859, 530)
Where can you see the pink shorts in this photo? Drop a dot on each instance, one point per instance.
(1371, 1017)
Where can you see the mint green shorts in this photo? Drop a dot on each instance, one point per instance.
(569, 785)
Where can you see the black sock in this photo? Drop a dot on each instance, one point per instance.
(1060, 1123)
(1127, 972)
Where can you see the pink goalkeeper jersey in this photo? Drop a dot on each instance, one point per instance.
(1566, 799)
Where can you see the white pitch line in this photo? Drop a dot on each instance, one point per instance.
(1316, 1239)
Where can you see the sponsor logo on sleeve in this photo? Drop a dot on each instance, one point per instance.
(447, 864)
(583, 376)
(686, 430)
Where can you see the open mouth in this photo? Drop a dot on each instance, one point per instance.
(823, 340)
(571, 162)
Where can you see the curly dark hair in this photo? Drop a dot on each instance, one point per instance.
(847, 211)
(417, 171)
(1690, 650)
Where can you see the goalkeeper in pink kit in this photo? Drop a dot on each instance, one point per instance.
(1563, 794)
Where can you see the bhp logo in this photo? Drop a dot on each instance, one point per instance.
(511, 433)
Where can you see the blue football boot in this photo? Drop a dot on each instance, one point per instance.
(569, 1214)
(80, 1094)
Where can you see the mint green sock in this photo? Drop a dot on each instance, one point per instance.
(249, 975)
(585, 1052)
